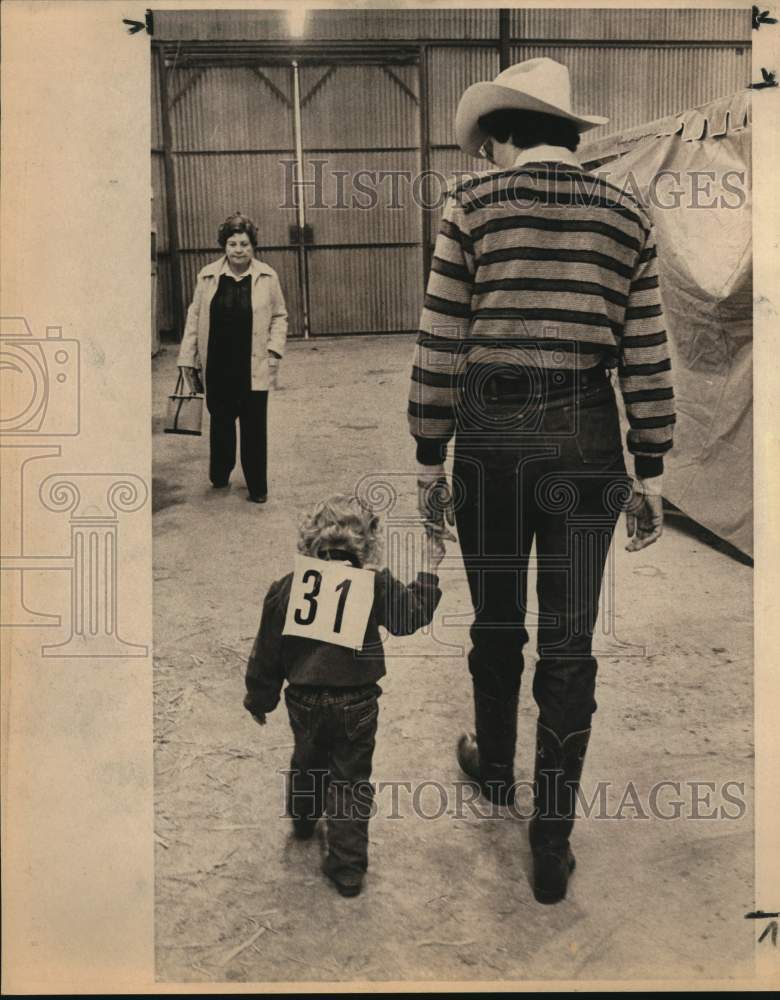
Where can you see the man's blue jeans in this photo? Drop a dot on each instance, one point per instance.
(552, 476)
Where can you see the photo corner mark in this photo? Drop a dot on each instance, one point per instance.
(133, 27)
(769, 933)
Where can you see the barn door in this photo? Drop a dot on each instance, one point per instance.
(360, 143)
(232, 138)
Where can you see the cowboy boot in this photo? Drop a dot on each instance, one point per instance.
(488, 755)
(557, 776)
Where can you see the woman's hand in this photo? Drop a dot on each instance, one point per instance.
(273, 371)
(192, 378)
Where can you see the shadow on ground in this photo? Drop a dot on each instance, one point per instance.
(165, 494)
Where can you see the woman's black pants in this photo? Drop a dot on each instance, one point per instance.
(552, 475)
(251, 412)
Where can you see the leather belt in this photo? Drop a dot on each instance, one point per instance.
(541, 386)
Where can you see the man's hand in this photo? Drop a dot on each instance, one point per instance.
(644, 517)
(434, 501)
(191, 378)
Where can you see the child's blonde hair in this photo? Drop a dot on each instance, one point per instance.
(341, 522)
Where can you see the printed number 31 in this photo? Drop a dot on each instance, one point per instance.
(307, 617)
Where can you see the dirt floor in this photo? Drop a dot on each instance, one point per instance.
(445, 898)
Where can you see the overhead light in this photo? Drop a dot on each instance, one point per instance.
(296, 19)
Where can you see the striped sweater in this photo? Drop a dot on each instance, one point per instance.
(544, 265)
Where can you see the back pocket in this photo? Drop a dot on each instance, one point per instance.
(300, 716)
(597, 435)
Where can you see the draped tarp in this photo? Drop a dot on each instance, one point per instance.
(702, 215)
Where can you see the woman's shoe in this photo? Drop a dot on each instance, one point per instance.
(256, 499)
(303, 828)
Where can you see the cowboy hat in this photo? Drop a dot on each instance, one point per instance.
(534, 85)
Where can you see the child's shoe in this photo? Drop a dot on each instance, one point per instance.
(347, 883)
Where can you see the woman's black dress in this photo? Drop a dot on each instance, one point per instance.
(229, 395)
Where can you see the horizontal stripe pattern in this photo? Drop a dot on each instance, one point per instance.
(516, 196)
(555, 224)
(544, 266)
(600, 262)
(549, 286)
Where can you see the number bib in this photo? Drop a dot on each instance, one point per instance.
(329, 601)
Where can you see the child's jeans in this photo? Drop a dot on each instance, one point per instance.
(335, 732)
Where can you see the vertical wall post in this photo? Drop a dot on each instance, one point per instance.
(425, 156)
(303, 263)
(504, 54)
(171, 210)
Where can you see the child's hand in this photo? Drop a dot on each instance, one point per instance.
(433, 550)
(259, 718)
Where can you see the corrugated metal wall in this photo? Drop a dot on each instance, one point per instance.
(381, 132)
(450, 71)
(627, 24)
(163, 301)
(632, 24)
(218, 108)
(231, 126)
(384, 117)
(360, 292)
(403, 24)
(666, 80)
(194, 25)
